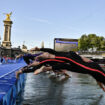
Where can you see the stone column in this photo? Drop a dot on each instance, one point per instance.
(7, 34)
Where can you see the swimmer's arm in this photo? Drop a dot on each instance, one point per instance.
(86, 59)
(35, 63)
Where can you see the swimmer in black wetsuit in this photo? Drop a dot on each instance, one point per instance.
(77, 64)
(29, 58)
(73, 62)
(40, 65)
(59, 65)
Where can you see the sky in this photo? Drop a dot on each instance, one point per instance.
(35, 21)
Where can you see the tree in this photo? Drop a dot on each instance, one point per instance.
(102, 45)
(83, 42)
(98, 43)
(91, 41)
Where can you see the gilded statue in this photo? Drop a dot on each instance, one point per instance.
(8, 15)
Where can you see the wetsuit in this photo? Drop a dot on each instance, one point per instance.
(74, 62)
(60, 63)
(77, 63)
(28, 58)
(47, 62)
(61, 53)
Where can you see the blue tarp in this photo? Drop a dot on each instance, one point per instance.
(9, 85)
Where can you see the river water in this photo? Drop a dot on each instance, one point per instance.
(79, 90)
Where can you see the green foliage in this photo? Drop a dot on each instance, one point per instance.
(91, 41)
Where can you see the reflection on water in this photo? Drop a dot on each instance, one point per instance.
(79, 90)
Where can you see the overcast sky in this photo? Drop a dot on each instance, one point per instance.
(35, 21)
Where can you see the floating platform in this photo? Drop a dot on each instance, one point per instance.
(10, 87)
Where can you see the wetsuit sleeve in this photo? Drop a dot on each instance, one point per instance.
(51, 51)
(27, 58)
(48, 62)
(27, 69)
(75, 56)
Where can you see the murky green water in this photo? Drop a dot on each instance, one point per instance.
(78, 90)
